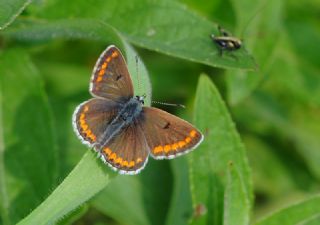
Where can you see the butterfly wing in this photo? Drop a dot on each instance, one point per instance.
(110, 78)
(91, 118)
(167, 135)
(128, 151)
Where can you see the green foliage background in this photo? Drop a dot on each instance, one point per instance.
(258, 107)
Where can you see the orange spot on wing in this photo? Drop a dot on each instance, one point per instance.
(108, 59)
(139, 160)
(125, 163)
(101, 72)
(193, 133)
(99, 79)
(112, 156)
(104, 66)
(90, 135)
(114, 54)
(93, 137)
(181, 144)
(131, 164)
(188, 140)
(118, 160)
(167, 148)
(107, 151)
(174, 146)
(84, 126)
(158, 149)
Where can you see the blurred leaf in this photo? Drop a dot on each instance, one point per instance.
(208, 164)
(299, 80)
(10, 9)
(180, 209)
(265, 23)
(210, 8)
(270, 174)
(43, 31)
(124, 194)
(301, 126)
(303, 19)
(235, 196)
(312, 221)
(144, 198)
(88, 178)
(299, 213)
(164, 26)
(156, 182)
(28, 154)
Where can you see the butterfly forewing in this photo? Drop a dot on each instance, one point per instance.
(110, 78)
(92, 117)
(128, 151)
(167, 135)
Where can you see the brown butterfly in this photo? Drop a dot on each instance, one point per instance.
(123, 131)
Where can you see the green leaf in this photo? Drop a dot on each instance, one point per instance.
(74, 216)
(164, 26)
(263, 34)
(28, 154)
(235, 196)
(180, 209)
(43, 31)
(124, 194)
(210, 161)
(301, 213)
(271, 175)
(312, 221)
(10, 9)
(298, 123)
(304, 83)
(141, 197)
(88, 178)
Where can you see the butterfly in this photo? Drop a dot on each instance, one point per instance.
(120, 129)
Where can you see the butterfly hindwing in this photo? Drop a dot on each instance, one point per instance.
(167, 135)
(128, 151)
(91, 118)
(110, 78)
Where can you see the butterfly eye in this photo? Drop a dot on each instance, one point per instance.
(140, 98)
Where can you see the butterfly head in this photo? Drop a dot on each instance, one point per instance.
(141, 98)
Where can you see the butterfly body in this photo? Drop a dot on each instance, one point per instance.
(129, 112)
(118, 126)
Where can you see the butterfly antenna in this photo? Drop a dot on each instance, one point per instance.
(138, 76)
(170, 104)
